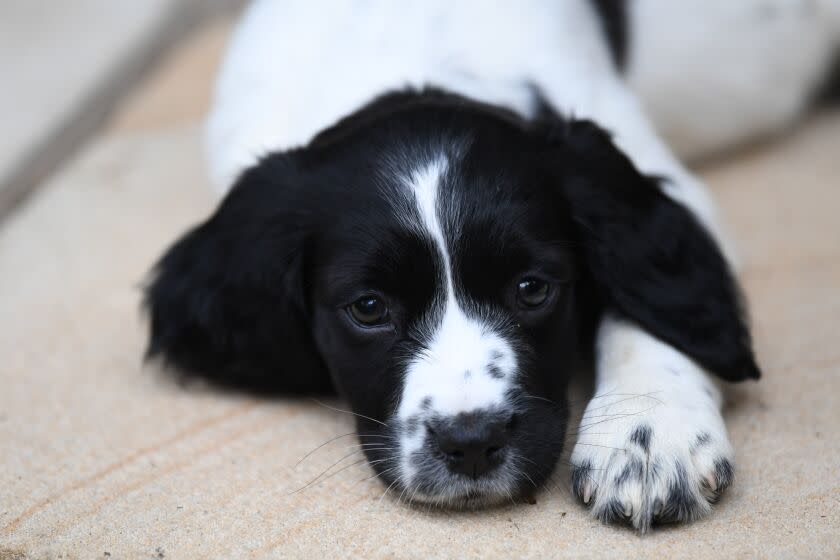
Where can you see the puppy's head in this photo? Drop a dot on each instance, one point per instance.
(441, 264)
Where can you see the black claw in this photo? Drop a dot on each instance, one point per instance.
(724, 474)
(681, 503)
(612, 512)
(657, 507)
(580, 475)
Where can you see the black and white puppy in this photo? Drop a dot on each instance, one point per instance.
(441, 209)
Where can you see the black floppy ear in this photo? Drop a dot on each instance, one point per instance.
(649, 257)
(226, 301)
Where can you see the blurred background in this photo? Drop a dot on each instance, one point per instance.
(101, 167)
(67, 65)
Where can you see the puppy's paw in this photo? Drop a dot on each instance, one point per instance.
(651, 458)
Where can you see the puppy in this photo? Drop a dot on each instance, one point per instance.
(441, 210)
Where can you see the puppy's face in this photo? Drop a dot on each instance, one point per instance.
(441, 264)
(443, 303)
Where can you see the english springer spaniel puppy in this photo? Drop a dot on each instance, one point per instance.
(441, 209)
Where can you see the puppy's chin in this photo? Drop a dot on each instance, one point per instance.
(465, 501)
(462, 497)
(451, 491)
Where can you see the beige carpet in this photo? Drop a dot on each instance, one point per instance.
(102, 457)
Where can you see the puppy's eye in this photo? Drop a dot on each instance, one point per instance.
(531, 292)
(369, 311)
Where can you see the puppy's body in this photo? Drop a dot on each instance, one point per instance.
(698, 68)
(445, 257)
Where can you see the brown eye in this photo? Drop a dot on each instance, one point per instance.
(531, 292)
(369, 311)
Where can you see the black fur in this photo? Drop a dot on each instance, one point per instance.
(226, 302)
(613, 16)
(650, 258)
(633, 470)
(641, 437)
(703, 439)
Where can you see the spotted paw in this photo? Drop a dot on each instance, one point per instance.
(652, 458)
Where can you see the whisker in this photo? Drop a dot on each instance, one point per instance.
(413, 494)
(369, 447)
(547, 480)
(302, 459)
(646, 395)
(539, 398)
(531, 480)
(604, 446)
(399, 498)
(610, 415)
(381, 442)
(325, 471)
(510, 497)
(316, 401)
(377, 461)
(520, 471)
(574, 466)
(342, 469)
(386, 449)
(576, 402)
(615, 417)
(377, 475)
(555, 485)
(383, 436)
(573, 434)
(379, 503)
(524, 458)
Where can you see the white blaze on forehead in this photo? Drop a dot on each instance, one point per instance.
(466, 366)
(424, 184)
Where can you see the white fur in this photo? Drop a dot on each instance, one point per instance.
(712, 74)
(644, 382)
(294, 68)
(709, 72)
(453, 373)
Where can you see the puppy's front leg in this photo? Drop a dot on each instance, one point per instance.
(652, 445)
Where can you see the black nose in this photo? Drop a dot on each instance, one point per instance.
(472, 444)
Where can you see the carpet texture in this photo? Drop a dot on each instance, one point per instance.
(101, 456)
